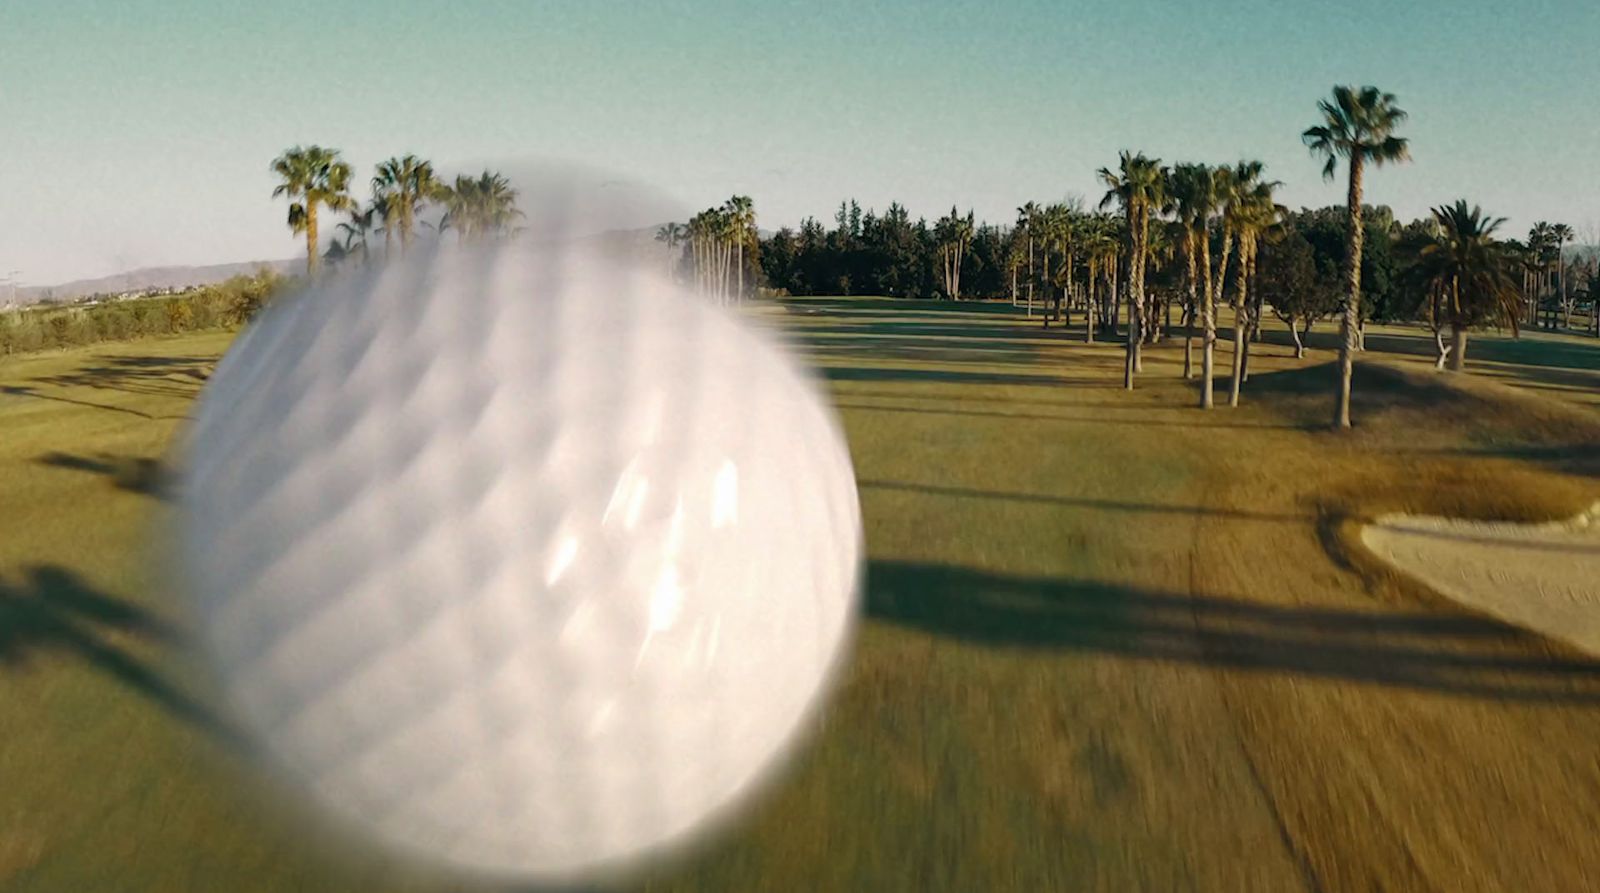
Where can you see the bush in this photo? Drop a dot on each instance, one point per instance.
(180, 316)
(20, 332)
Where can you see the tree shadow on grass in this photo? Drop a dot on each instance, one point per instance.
(1122, 405)
(1108, 505)
(35, 393)
(174, 376)
(924, 308)
(1431, 652)
(1083, 419)
(52, 610)
(1576, 458)
(135, 474)
(951, 376)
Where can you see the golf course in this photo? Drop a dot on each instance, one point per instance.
(1109, 641)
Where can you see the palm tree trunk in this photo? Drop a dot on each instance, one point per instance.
(1066, 290)
(1030, 271)
(1222, 267)
(311, 238)
(1352, 305)
(1240, 320)
(1188, 307)
(1130, 345)
(1253, 334)
(1458, 347)
(1114, 297)
(961, 253)
(1208, 320)
(1135, 298)
(1145, 313)
(1046, 308)
(1092, 317)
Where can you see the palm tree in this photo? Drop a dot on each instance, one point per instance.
(1540, 239)
(1137, 185)
(672, 235)
(403, 186)
(1468, 275)
(742, 223)
(1066, 231)
(1053, 225)
(954, 234)
(1027, 216)
(478, 207)
(497, 206)
(1013, 262)
(1102, 249)
(1162, 246)
(1562, 234)
(1249, 211)
(710, 237)
(1194, 200)
(1358, 126)
(312, 177)
(355, 231)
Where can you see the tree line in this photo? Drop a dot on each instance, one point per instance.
(224, 305)
(715, 249)
(403, 192)
(1191, 237)
(1183, 239)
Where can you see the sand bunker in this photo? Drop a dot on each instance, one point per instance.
(1544, 577)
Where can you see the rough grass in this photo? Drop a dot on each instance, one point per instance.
(1112, 643)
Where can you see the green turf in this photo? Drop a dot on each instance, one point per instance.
(1032, 704)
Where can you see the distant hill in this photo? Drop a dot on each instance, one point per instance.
(152, 277)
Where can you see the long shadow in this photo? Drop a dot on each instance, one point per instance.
(1096, 405)
(135, 474)
(1107, 505)
(917, 330)
(19, 391)
(896, 306)
(953, 352)
(1544, 377)
(1082, 419)
(1537, 359)
(174, 376)
(1578, 458)
(953, 376)
(53, 611)
(1434, 652)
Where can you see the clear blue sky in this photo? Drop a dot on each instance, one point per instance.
(138, 132)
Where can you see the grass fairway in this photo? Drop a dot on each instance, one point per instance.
(1113, 642)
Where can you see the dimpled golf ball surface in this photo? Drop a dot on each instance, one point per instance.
(518, 563)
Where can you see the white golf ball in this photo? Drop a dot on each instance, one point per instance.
(525, 563)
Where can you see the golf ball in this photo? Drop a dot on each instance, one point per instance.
(525, 562)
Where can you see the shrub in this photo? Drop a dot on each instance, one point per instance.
(57, 328)
(180, 315)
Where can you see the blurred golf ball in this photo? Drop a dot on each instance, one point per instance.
(525, 562)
